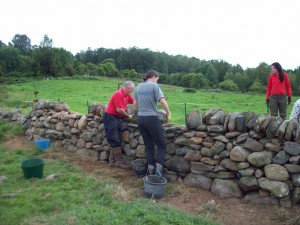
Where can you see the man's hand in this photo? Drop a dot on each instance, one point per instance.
(289, 100)
(168, 117)
(268, 103)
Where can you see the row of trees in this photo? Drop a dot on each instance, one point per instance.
(20, 58)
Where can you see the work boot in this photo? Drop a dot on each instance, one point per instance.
(111, 160)
(119, 158)
(159, 170)
(151, 170)
(98, 155)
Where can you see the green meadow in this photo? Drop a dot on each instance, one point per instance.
(78, 93)
(75, 197)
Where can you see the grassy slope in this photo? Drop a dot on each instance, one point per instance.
(74, 198)
(78, 92)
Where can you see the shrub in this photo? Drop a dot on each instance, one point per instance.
(190, 90)
(228, 85)
(257, 88)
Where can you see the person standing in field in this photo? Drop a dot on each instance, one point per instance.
(114, 113)
(295, 114)
(146, 96)
(278, 87)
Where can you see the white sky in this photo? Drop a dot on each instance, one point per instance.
(244, 32)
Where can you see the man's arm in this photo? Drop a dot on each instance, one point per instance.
(122, 112)
(164, 104)
(136, 105)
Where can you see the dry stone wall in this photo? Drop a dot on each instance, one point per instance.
(246, 155)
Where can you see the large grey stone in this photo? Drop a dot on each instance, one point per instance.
(226, 188)
(217, 118)
(276, 172)
(238, 153)
(193, 155)
(217, 147)
(281, 158)
(291, 127)
(291, 148)
(178, 164)
(256, 198)
(277, 188)
(199, 166)
(281, 130)
(248, 184)
(232, 121)
(260, 158)
(229, 164)
(197, 181)
(295, 178)
(253, 145)
(193, 119)
(274, 125)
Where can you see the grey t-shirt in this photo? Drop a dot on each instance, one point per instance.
(147, 94)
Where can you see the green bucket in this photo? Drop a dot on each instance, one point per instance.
(32, 168)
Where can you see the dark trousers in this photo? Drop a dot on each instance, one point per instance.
(278, 102)
(153, 134)
(112, 126)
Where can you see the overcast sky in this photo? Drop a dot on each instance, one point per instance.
(237, 31)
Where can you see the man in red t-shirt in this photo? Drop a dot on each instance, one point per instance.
(114, 113)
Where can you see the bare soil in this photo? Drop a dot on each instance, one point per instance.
(230, 211)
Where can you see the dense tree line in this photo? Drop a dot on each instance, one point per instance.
(19, 58)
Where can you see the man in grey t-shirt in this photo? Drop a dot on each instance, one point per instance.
(146, 96)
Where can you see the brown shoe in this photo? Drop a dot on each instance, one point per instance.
(122, 165)
(98, 155)
(111, 160)
(119, 158)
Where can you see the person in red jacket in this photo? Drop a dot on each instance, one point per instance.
(114, 114)
(278, 87)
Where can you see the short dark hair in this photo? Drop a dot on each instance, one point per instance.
(150, 74)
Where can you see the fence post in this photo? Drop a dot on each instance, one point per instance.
(119, 85)
(18, 104)
(87, 105)
(184, 110)
(28, 105)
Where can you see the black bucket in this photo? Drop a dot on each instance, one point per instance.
(140, 167)
(33, 168)
(154, 186)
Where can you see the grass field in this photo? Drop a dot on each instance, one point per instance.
(78, 93)
(75, 197)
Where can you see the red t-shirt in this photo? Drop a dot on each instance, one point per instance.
(118, 100)
(276, 87)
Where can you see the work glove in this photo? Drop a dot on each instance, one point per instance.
(289, 100)
(268, 103)
(130, 117)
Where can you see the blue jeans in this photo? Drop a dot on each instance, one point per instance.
(112, 126)
(153, 134)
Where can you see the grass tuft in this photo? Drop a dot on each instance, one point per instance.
(9, 129)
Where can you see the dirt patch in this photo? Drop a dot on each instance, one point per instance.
(18, 143)
(229, 211)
